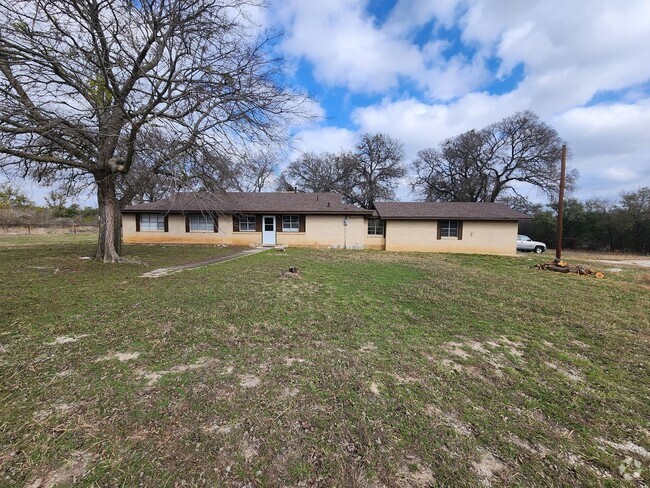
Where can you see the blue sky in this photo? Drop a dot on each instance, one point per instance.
(425, 70)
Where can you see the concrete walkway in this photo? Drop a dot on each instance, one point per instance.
(157, 273)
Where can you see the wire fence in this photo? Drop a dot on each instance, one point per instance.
(41, 229)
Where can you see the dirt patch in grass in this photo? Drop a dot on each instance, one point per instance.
(449, 419)
(487, 466)
(249, 381)
(570, 373)
(219, 428)
(152, 377)
(75, 468)
(66, 339)
(59, 409)
(414, 474)
(455, 349)
(120, 356)
(536, 449)
(290, 361)
(368, 347)
(627, 446)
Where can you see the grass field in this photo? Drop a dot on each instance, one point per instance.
(373, 369)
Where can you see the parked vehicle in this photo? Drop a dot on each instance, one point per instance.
(525, 243)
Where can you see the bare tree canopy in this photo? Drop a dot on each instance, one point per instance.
(85, 83)
(257, 170)
(318, 173)
(368, 174)
(481, 166)
(377, 169)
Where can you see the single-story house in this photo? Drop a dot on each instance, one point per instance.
(322, 220)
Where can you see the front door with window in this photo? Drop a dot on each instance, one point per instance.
(268, 230)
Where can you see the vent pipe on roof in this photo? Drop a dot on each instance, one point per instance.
(328, 204)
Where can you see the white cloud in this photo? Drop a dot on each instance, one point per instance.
(324, 139)
(422, 125)
(344, 45)
(609, 143)
(569, 53)
(347, 48)
(608, 129)
(408, 15)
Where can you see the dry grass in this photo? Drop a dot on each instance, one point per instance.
(373, 369)
(593, 255)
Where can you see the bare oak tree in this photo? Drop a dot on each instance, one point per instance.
(363, 176)
(257, 170)
(82, 80)
(482, 166)
(376, 168)
(324, 172)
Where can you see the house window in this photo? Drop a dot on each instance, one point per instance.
(449, 228)
(201, 223)
(152, 222)
(290, 223)
(375, 227)
(247, 223)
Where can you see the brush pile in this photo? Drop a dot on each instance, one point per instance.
(560, 266)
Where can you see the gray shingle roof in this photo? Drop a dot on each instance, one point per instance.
(448, 210)
(236, 202)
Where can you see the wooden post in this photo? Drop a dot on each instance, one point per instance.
(560, 207)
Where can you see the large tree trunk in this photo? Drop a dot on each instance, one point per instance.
(118, 229)
(109, 212)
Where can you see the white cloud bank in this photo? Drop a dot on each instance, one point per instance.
(570, 52)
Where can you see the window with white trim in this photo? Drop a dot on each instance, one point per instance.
(201, 223)
(152, 222)
(449, 228)
(290, 223)
(247, 223)
(375, 227)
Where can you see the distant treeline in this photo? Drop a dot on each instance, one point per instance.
(17, 209)
(596, 224)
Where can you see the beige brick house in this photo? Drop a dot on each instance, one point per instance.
(322, 220)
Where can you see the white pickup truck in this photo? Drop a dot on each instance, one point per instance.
(525, 243)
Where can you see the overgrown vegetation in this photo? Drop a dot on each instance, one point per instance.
(375, 368)
(17, 209)
(596, 224)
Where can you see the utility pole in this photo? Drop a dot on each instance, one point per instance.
(560, 208)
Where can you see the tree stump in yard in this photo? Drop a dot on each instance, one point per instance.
(293, 272)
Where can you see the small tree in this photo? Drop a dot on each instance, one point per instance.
(11, 197)
(636, 205)
(84, 83)
(57, 201)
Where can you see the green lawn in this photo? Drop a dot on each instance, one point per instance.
(375, 368)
